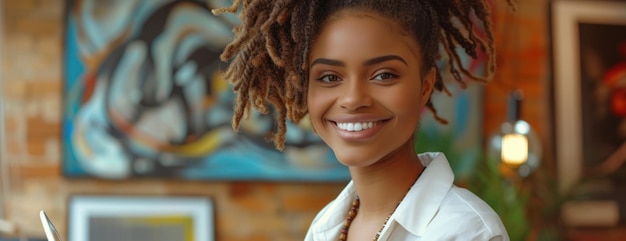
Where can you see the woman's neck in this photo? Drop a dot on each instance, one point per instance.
(382, 186)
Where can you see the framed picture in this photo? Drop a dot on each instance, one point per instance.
(135, 218)
(589, 60)
(589, 44)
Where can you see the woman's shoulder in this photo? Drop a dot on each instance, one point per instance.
(470, 214)
(462, 200)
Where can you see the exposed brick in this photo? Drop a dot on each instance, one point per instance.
(15, 147)
(26, 67)
(52, 8)
(209, 189)
(19, 6)
(245, 195)
(239, 189)
(249, 224)
(310, 199)
(38, 127)
(255, 202)
(297, 237)
(39, 171)
(14, 90)
(36, 146)
(46, 150)
(49, 47)
(299, 222)
(45, 95)
(19, 43)
(51, 111)
(305, 203)
(12, 125)
(38, 27)
(246, 238)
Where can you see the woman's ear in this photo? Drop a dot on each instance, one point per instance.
(428, 84)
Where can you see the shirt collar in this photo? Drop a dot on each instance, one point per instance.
(425, 196)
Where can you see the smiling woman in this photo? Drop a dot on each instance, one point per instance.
(362, 70)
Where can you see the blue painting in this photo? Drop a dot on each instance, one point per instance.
(143, 97)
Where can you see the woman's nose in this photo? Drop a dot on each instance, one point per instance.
(355, 95)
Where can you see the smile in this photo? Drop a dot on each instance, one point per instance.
(356, 126)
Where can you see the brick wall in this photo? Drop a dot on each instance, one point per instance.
(31, 75)
(522, 40)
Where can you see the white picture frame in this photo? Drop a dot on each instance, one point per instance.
(566, 16)
(89, 215)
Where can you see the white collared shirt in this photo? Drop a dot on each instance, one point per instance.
(433, 209)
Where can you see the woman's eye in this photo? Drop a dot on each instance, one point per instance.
(385, 76)
(329, 78)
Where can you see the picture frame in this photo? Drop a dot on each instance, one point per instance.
(100, 217)
(573, 25)
(589, 55)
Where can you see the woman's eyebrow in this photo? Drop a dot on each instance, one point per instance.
(328, 62)
(384, 58)
(368, 62)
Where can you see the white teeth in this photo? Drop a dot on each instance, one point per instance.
(358, 126)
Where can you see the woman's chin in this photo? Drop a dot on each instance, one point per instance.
(352, 160)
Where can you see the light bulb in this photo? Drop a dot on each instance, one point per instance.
(514, 149)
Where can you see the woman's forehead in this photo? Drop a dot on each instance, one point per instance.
(359, 33)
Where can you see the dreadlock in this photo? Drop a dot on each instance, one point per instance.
(270, 51)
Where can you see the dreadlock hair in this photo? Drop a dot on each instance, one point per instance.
(269, 54)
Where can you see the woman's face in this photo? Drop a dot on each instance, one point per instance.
(366, 87)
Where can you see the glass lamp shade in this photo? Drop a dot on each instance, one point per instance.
(515, 146)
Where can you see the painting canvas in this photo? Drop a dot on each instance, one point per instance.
(143, 97)
(603, 92)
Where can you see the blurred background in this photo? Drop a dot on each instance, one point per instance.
(114, 119)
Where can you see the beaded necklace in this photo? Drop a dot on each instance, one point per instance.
(343, 236)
